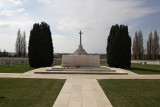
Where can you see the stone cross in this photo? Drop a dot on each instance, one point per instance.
(80, 37)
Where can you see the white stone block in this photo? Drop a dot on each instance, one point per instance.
(81, 60)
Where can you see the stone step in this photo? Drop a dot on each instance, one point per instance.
(80, 69)
(82, 72)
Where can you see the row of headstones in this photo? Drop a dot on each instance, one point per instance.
(145, 62)
(6, 61)
(57, 61)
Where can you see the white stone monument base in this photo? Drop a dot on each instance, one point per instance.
(80, 61)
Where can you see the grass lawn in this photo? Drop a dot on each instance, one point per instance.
(104, 64)
(132, 93)
(145, 69)
(17, 68)
(29, 92)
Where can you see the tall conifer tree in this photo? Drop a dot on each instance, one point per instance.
(40, 50)
(119, 47)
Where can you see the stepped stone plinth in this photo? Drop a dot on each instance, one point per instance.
(103, 70)
(80, 51)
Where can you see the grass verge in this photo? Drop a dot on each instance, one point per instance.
(145, 69)
(142, 69)
(104, 64)
(17, 68)
(132, 93)
(29, 92)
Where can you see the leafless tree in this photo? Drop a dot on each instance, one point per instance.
(24, 44)
(21, 44)
(135, 46)
(155, 46)
(18, 44)
(140, 45)
(149, 46)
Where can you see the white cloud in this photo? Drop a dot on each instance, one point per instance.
(15, 2)
(48, 2)
(6, 12)
(4, 25)
(93, 17)
(11, 12)
(90, 13)
(69, 24)
(11, 3)
(20, 10)
(57, 36)
(1, 4)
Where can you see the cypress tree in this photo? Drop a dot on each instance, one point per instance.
(40, 50)
(119, 47)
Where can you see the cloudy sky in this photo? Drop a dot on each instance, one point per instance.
(67, 17)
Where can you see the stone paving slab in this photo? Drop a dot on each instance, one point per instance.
(82, 93)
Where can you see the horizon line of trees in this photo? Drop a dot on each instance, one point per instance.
(152, 48)
(4, 53)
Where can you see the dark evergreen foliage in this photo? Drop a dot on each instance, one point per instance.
(119, 47)
(40, 50)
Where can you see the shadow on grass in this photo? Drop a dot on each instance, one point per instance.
(2, 97)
